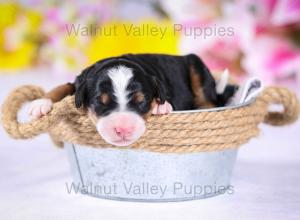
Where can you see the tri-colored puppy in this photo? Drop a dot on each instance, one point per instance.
(120, 92)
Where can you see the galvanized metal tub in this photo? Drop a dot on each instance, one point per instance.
(131, 175)
(138, 175)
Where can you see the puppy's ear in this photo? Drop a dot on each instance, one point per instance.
(80, 88)
(160, 90)
(80, 95)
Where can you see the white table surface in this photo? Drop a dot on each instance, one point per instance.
(34, 174)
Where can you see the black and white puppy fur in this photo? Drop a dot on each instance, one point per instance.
(120, 92)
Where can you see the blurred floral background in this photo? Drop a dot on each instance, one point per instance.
(49, 42)
(264, 39)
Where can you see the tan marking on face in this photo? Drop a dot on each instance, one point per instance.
(138, 97)
(149, 113)
(200, 100)
(104, 98)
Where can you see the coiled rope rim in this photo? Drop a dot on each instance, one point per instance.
(181, 132)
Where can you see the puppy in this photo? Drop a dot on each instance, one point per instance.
(121, 92)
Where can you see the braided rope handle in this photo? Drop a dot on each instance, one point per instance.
(66, 107)
(284, 97)
(27, 93)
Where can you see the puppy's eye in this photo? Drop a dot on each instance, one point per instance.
(138, 97)
(104, 98)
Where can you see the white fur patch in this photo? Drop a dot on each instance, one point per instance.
(222, 83)
(120, 77)
(40, 107)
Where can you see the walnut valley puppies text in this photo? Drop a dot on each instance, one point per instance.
(147, 189)
(149, 30)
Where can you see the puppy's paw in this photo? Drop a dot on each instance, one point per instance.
(40, 107)
(160, 109)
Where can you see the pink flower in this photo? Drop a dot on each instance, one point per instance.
(275, 60)
(286, 12)
(192, 10)
(259, 10)
(218, 49)
(270, 13)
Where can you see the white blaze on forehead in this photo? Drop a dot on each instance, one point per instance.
(120, 77)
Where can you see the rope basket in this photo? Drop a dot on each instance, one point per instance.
(181, 132)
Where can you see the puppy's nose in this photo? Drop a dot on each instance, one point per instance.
(124, 132)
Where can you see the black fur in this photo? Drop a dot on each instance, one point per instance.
(160, 77)
(207, 81)
(222, 99)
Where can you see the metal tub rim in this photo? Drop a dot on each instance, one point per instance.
(216, 109)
